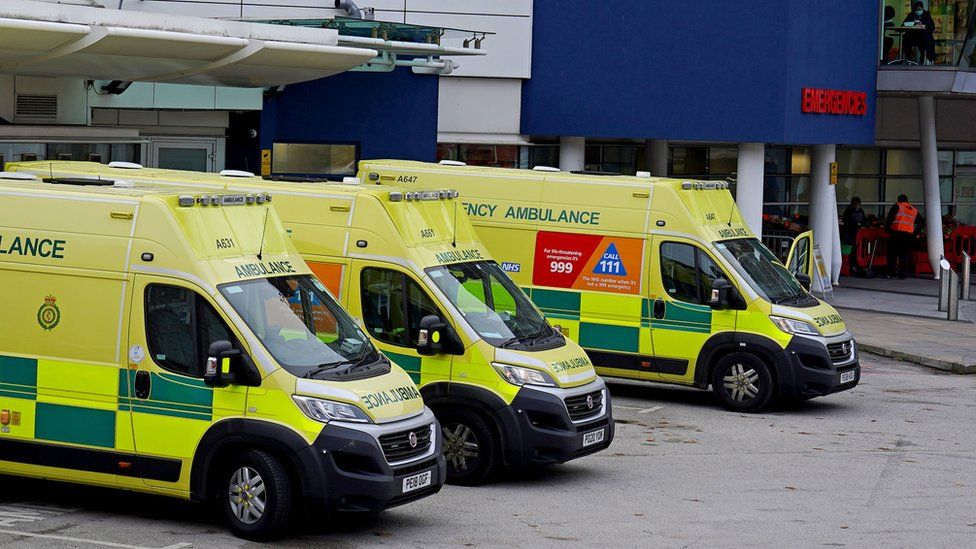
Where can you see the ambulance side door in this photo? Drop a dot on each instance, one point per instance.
(680, 317)
(391, 304)
(171, 326)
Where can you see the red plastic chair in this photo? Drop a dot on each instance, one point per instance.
(963, 239)
(872, 240)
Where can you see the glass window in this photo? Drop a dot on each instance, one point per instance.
(945, 163)
(723, 160)
(547, 155)
(859, 161)
(393, 306)
(799, 189)
(774, 189)
(689, 160)
(904, 162)
(493, 305)
(180, 326)
(762, 271)
(619, 159)
(868, 189)
(708, 273)
(800, 161)
(678, 272)
(313, 159)
(300, 324)
(910, 186)
(966, 158)
(776, 161)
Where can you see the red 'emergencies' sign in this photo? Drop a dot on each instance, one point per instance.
(588, 262)
(839, 102)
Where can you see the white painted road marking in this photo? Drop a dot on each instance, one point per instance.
(649, 410)
(29, 512)
(91, 541)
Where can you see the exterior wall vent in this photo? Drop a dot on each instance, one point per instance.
(37, 106)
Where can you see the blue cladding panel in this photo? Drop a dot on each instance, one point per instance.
(710, 70)
(390, 115)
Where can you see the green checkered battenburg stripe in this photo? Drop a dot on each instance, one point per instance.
(170, 395)
(410, 364)
(682, 317)
(18, 377)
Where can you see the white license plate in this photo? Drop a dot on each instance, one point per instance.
(592, 438)
(416, 482)
(847, 377)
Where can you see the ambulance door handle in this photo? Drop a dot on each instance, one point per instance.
(142, 385)
(659, 308)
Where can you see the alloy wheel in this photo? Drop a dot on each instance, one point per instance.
(742, 384)
(247, 496)
(460, 445)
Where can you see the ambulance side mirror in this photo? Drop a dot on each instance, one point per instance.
(430, 339)
(721, 294)
(804, 281)
(229, 366)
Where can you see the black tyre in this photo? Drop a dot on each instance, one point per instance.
(743, 382)
(471, 448)
(256, 496)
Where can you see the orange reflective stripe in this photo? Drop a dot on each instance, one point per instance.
(905, 218)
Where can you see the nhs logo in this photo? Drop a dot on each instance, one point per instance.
(510, 267)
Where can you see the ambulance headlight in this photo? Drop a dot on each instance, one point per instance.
(327, 410)
(516, 375)
(793, 326)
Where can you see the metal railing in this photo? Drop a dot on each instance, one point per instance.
(954, 287)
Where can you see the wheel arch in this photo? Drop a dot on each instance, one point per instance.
(484, 402)
(724, 343)
(271, 437)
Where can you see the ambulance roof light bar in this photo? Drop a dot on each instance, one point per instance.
(19, 176)
(546, 169)
(236, 173)
(186, 201)
(125, 165)
(704, 185)
(417, 196)
(452, 163)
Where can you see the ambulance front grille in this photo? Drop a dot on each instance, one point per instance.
(398, 447)
(584, 406)
(841, 353)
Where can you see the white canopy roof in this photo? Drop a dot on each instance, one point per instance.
(43, 39)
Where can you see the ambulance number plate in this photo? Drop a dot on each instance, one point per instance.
(416, 482)
(593, 437)
(847, 377)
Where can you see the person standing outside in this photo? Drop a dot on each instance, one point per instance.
(853, 219)
(923, 40)
(902, 219)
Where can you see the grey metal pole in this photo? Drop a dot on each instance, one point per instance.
(966, 267)
(953, 295)
(944, 289)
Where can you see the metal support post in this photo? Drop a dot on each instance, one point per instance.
(953, 295)
(966, 266)
(944, 290)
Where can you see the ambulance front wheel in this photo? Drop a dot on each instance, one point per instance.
(471, 448)
(257, 497)
(743, 382)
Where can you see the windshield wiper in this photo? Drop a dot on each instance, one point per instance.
(324, 367)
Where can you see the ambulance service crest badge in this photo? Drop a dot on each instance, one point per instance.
(48, 316)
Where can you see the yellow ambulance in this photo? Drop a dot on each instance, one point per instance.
(175, 342)
(507, 387)
(658, 279)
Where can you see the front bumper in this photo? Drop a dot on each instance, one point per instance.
(811, 372)
(537, 428)
(355, 474)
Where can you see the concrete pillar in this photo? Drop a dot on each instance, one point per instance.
(750, 172)
(656, 157)
(572, 153)
(837, 260)
(930, 181)
(823, 202)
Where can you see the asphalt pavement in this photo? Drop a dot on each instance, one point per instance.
(888, 463)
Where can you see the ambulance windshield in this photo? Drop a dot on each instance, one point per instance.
(302, 326)
(494, 306)
(764, 273)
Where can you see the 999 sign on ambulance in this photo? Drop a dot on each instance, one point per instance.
(658, 279)
(176, 343)
(506, 386)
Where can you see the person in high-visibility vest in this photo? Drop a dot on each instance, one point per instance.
(902, 220)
